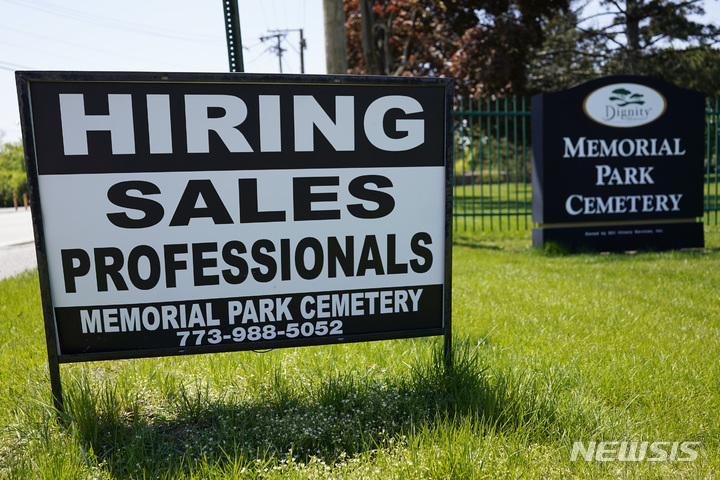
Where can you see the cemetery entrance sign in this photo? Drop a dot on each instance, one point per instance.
(196, 213)
(618, 165)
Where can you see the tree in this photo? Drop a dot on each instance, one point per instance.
(566, 57)
(633, 31)
(483, 44)
(693, 68)
(492, 58)
(520, 47)
(13, 180)
(404, 37)
(12, 157)
(644, 37)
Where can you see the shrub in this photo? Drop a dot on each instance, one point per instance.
(13, 179)
(12, 182)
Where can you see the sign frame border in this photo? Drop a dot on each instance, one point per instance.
(24, 80)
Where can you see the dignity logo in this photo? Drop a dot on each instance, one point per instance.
(624, 451)
(624, 105)
(623, 98)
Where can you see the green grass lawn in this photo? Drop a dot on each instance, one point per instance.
(550, 350)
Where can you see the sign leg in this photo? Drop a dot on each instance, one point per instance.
(447, 353)
(56, 388)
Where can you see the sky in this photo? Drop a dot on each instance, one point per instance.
(154, 36)
(147, 36)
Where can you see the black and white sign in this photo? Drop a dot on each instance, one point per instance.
(194, 213)
(618, 165)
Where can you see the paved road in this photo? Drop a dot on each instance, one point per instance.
(17, 247)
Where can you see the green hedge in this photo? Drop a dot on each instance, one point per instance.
(12, 182)
(12, 173)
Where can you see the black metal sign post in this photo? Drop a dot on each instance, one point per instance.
(51, 339)
(233, 36)
(181, 214)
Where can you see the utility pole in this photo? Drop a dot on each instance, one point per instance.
(280, 35)
(303, 46)
(233, 37)
(335, 45)
(278, 49)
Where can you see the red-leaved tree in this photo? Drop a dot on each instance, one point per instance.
(483, 45)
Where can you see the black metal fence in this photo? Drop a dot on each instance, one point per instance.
(492, 170)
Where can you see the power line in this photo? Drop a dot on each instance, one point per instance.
(12, 66)
(85, 46)
(86, 17)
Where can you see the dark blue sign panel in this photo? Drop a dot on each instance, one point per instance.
(618, 165)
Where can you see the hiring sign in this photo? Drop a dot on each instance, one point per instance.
(180, 214)
(618, 165)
